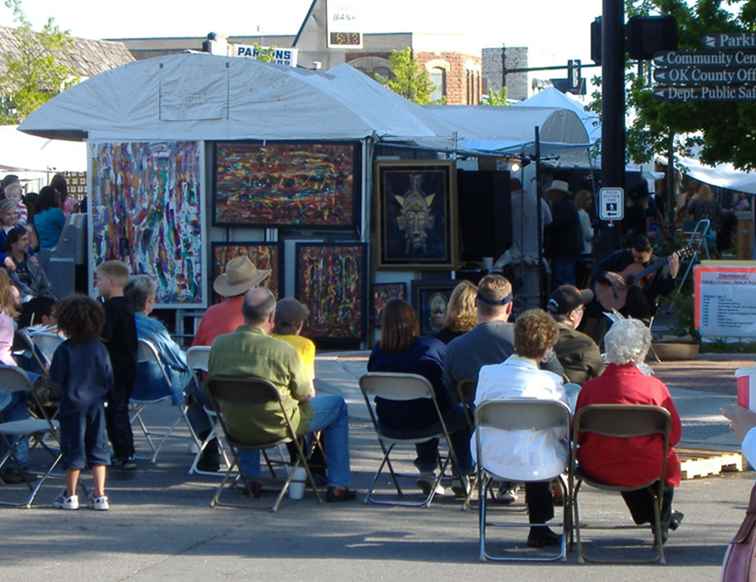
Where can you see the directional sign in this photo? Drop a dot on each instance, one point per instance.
(730, 41)
(706, 93)
(704, 76)
(611, 203)
(712, 59)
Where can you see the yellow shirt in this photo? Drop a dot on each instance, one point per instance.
(306, 350)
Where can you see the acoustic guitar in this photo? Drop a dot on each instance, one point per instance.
(612, 296)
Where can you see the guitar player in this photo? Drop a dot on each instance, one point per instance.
(640, 296)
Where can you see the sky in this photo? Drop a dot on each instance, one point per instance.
(553, 30)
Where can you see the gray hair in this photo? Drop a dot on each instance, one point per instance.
(138, 290)
(258, 305)
(627, 341)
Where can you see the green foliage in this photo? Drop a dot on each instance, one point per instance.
(408, 78)
(266, 55)
(36, 73)
(496, 98)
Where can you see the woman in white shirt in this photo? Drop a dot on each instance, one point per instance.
(584, 203)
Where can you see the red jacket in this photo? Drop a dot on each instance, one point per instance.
(633, 461)
(222, 318)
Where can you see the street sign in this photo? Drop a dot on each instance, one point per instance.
(611, 204)
(730, 40)
(722, 59)
(702, 76)
(707, 93)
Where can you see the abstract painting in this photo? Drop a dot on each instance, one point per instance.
(264, 255)
(416, 212)
(382, 294)
(147, 209)
(287, 184)
(429, 299)
(331, 282)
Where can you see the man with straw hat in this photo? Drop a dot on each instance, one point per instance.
(240, 276)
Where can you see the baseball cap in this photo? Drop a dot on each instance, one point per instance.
(565, 298)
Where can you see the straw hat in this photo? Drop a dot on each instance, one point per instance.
(559, 186)
(240, 276)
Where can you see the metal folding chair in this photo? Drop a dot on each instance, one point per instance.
(697, 238)
(13, 380)
(45, 344)
(621, 421)
(527, 414)
(147, 353)
(404, 387)
(251, 394)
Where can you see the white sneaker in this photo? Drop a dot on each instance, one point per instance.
(425, 482)
(507, 496)
(62, 501)
(99, 503)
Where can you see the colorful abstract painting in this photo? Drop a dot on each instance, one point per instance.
(382, 294)
(331, 282)
(148, 210)
(263, 255)
(287, 184)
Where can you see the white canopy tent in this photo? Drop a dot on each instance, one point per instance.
(20, 152)
(555, 99)
(721, 175)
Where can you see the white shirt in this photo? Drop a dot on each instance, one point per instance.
(587, 229)
(521, 454)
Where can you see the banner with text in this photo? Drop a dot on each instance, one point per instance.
(725, 301)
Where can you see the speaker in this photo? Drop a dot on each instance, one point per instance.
(485, 215)
(596, 40)
(647, 35)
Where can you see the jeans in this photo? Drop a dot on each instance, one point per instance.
(456, 424)
(198, 400)
(563, 271)
(330, 416)
(15, 409)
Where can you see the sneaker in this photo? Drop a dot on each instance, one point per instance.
(127, 464)
(99, 503)
(425, 483)
(507, 495)
(63, 501)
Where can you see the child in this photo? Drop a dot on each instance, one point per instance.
(120, 337)
(81, 368)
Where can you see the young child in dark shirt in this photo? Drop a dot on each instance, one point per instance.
(81, 367)
(120, 337)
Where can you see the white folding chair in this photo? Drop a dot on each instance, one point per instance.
(401, 388)
(46, 344)
(14, 380)
(147, 353)
(697, 238)
(527, 414)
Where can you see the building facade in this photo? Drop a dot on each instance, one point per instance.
(493, 76)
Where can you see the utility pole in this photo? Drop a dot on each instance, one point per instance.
(613, 111)
(503, 67)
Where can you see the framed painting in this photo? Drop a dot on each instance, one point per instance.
(382, 294)
(303, 184)
(331, 280)
(147, 209)
(416, 214)
(264, 255)
(429, 299)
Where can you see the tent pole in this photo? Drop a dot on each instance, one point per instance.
(539, 205)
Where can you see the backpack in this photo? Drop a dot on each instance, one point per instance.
(739, 565)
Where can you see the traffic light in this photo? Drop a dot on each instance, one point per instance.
(596, 40)
(647, 35)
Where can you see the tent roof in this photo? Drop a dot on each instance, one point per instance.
(27, 153)
(722, 175)
(199, 96)
(551, 97)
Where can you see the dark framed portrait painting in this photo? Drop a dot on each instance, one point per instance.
(382, 294)
(331, 279)
(264, 255)
(416, 214)
(429, 299)
(296, 184)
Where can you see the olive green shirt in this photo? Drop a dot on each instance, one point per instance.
(578, 354)
(249, 351)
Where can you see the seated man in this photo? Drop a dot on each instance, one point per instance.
(631, 461)
(250, 351)
(290, 319)
(577, 352)
(512, 453)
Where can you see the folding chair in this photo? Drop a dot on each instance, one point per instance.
(147, 353)
(621, 421)
(13, 380)
(46, 344)
(401, 388)
(197, 357)
(466, 395)
(697, 239)
(527, 414)
(246, 397)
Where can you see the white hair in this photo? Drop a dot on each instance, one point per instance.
(627, 341)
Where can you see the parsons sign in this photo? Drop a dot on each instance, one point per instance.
(281, 56)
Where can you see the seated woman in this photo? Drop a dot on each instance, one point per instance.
(401, 350)
(461, 312)
(49, 219)
(633, 461)
(29, 277)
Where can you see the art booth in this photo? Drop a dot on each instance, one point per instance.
(345, 190)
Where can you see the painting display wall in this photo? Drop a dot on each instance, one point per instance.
(313, 185)
(416, 215)
(331, 281)
(147, 209)
(382, 294)
(266, 256)
(429, 299)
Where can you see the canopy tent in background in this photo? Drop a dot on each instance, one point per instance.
(721, 175)
(555, 99)
(20, 152)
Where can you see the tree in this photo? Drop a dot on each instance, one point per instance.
(496, 98)
(408, 78)
(35, 71)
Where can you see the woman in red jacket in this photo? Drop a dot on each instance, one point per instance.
(633, 461)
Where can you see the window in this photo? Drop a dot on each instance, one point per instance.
(438, 78)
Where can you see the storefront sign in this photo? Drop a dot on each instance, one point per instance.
(725, 301)
(344, 29)
(281, 56)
